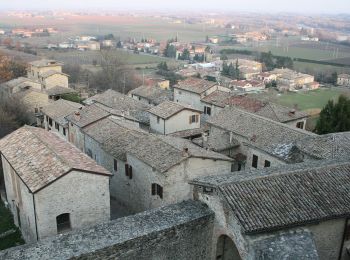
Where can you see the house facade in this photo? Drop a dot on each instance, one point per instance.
(170, 117)
(36, 181)
(343, 80)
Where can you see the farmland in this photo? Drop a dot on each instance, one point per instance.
(312, 101)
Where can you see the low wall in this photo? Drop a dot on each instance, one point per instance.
(179, 231)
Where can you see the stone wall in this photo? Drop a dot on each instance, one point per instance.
(179, 231)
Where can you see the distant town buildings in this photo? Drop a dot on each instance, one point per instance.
(343, 80)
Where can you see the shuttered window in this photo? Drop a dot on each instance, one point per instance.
(115, 165)
(255, 161)
(128, 170)
(157, 190)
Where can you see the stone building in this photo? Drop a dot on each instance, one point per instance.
(273, 213)
(254, 141)
(53, 116)
(149, 170)
(218, 100)
(50, 186)
(170, 117)
(343, 80)
(111, 99)
(152, 95)
(89, 115)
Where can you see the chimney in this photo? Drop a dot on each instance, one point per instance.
(77, 115)
(185, 152)
(292, 112)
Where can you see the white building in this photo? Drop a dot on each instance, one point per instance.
(51, 187)
(170, 117)
(247, 85)
(343, 80)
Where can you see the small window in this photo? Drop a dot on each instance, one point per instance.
(207, 110)
(157, 190)
(128, 171)
(267, 163)
(63, 223)
(36, 110)
(239, 168)
(57, 126)
(115, 165)
(64, 131)
(194, 119)
(300, 125)
(158, 119)
(255, 161)
(50, 121)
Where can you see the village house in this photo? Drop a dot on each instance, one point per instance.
(152, 95)
(190, 91)
(91, 114)
(295, 212)
(266, 77)
(170, 117)
(50, 186)
(149, 170)
(17, 85)
(288, 79)
(254, 141)
(124, 104)
(218, 100)
(247, 85)
(53, 116)
(343, 80)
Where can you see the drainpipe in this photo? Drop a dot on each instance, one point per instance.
(36, 224)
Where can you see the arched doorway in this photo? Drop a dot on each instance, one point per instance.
(226, 249)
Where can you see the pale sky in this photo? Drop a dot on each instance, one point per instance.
(300, 6)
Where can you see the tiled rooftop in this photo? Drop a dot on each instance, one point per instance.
(40, 157)
(160, 152)
(61, 108)
(284, 197)
(195, 85)
(154, 94)
(170, 108)
(44, 63)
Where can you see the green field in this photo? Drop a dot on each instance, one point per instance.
(311, 101)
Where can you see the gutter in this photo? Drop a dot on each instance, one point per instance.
(36, 224)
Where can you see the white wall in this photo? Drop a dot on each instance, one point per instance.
(84, 195)
(155, 126)
(56, 80)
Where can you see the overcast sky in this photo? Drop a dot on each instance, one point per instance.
(303, 6)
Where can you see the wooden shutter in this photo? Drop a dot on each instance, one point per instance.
(130, 172)
(190, 120)
(197, 118)
(115, 165)
(153, 189)
(126, 169)
(160, 191)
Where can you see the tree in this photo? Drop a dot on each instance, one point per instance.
(73, 70)
(334, 117)
(334, 78)
(185, 55)
(170, 51)
(163, 66)
(10, 69)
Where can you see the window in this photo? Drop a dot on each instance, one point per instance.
(128, 171)
(57, 126)
(115, 165)
(207, 110)
(36, 110)
(158, 119)
(255, 161)
(239, 167)
(64, 131)
(63, 223)
(267, 163)
(194, 119)
(157, 190)
(300, 125)
(50, 121)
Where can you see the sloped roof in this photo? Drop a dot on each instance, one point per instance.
(121, 102)
(17, 82)
(272, 137)
(58, 90)
(160, 152)
(195, 85)
(40, 157)
(50, 73)
(154, 94)
(61, 108)
(169, 108)
(265, 109)
(329, 146)
(45, 63)
(285, 197)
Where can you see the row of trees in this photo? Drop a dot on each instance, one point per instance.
(164, 71)
(231, 70)
(10, 69)
(271, 62)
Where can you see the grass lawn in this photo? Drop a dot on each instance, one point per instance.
(6, 223)
(312, 101)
